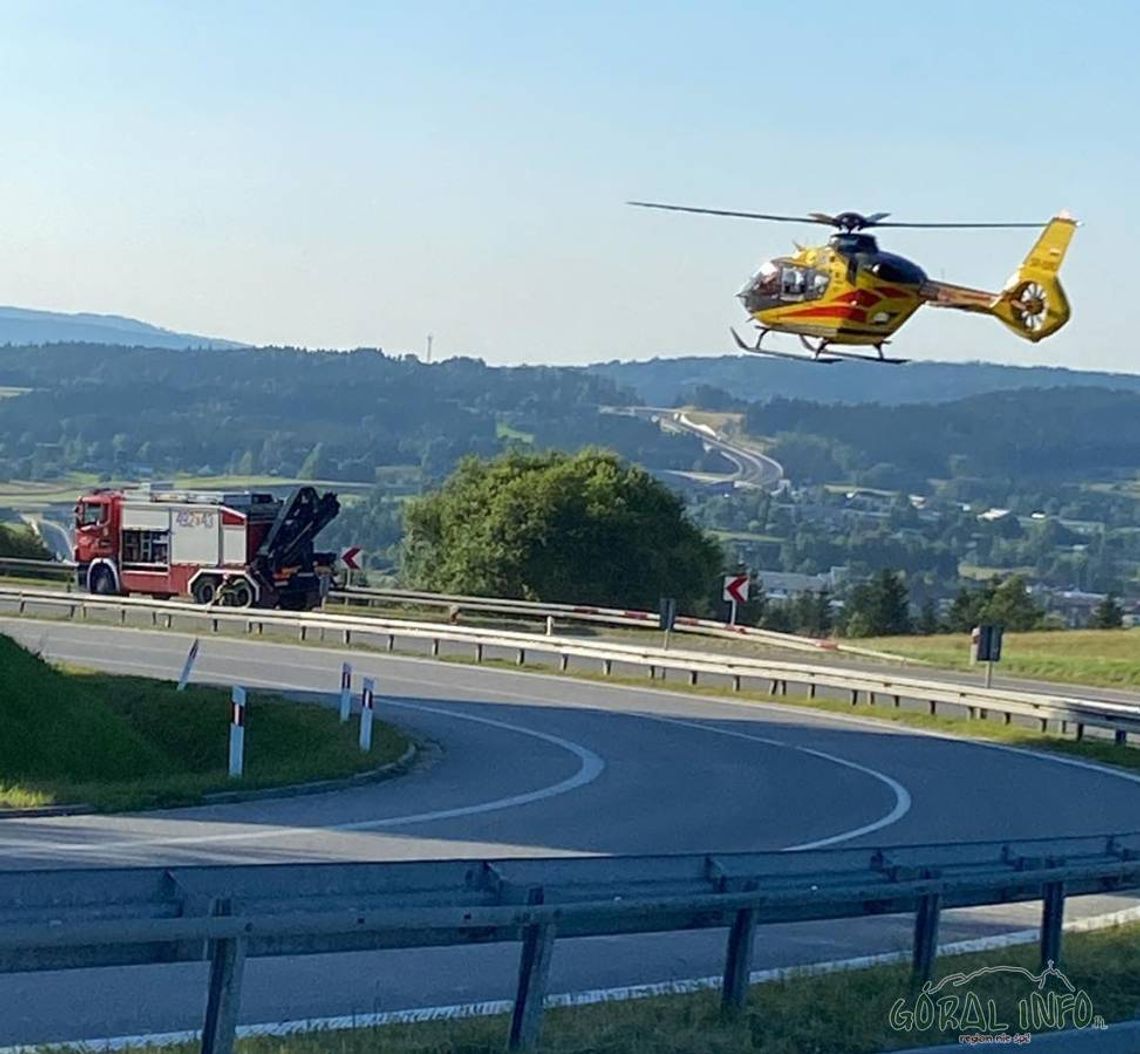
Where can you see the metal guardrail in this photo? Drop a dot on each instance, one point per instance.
(530, 609)
(738, 671)
(90, 918)
(609, 616)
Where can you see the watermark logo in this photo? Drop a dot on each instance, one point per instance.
(1007, 1012)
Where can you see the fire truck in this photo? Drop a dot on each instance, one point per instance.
(234, 549)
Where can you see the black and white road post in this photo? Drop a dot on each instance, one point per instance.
(366, 715)
(188, 665)
(345, 691)
(237, 732)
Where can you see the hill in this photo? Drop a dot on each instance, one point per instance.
(750, 378)
(20, 325)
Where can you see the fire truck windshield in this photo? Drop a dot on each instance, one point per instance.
(88, 514)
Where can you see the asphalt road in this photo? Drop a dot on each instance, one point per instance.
(535, 765)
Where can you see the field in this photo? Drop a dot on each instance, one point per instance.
(128, 742)
(1110, 658)
(837, 1013)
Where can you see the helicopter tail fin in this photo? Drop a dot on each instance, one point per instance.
(1033, 303)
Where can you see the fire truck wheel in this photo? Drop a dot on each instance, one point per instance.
(240, 594)
(204, 590)
(103, 581)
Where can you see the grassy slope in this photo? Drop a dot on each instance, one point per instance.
(841, 1013)
(128, 742)
(1092, 657)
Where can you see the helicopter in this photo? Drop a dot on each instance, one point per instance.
(850, 293)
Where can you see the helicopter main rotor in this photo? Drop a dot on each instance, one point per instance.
(844, 221)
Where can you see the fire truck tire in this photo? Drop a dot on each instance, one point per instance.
(204, 590)
(103, 581)
(239, 594)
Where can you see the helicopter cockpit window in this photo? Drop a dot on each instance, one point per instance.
(802, 283)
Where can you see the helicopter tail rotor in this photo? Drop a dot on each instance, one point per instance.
(1033, 303)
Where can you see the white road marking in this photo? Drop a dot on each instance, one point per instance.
(902, 795)
(590, 768)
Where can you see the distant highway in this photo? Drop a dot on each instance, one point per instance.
(753, 469)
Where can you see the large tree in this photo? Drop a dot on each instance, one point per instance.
(582, 528)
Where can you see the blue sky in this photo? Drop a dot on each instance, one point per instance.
(339, 174)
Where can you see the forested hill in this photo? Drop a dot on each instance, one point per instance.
(751, 378)
(1053, 433)
(19, 325)
(282, 411)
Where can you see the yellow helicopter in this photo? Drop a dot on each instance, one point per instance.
(849, 292)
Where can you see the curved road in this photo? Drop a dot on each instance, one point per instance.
(535, 765)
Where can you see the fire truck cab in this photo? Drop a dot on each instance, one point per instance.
(241, 549)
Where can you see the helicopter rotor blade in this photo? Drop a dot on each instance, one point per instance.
(815, 217)
(954, 226)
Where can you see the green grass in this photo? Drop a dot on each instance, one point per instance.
(839, 1013)
(1110, 658)
(128, 742)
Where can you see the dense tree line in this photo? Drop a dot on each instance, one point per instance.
(1054, 432)
(287, 412)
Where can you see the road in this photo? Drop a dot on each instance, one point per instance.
(534, 765)
(753, 469)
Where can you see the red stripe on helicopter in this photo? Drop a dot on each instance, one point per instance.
(847, 311)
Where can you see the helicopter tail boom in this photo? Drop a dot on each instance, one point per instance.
(1033, 303)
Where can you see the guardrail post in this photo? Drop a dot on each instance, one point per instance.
(736, 682)
(607, 666)
(348, 636)
(811, 690)
(1052, 915)
(227, 962)
(925, 937)
(300, 631)
(563, 662)
(550, 625)
(738, 961)
(1120, 737)
(534, 969)
(435, 647)
(1079, 732)
(521, 661)
(391, 642)
(478, 652)
(692, 678)
(898, 701)
(854, 696)
(933, 707)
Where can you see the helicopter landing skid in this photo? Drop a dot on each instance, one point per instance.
(823, 347)
(755, 349)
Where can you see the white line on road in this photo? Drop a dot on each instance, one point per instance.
(902, 795)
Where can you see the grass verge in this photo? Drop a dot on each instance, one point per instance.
(838, 1013)
(1109, 658)
(128, 743)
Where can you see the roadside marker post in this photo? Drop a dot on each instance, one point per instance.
(237, 732)
(188, 665)
(345, 691)
(366, 715)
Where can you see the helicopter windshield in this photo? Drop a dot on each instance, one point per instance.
(783, 281)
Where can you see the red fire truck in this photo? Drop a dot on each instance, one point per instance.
(236, 549)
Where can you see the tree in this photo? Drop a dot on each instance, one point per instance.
(584, 528)
(1108, 614)
(879, 608)
(927, 618)
(1012, 607)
